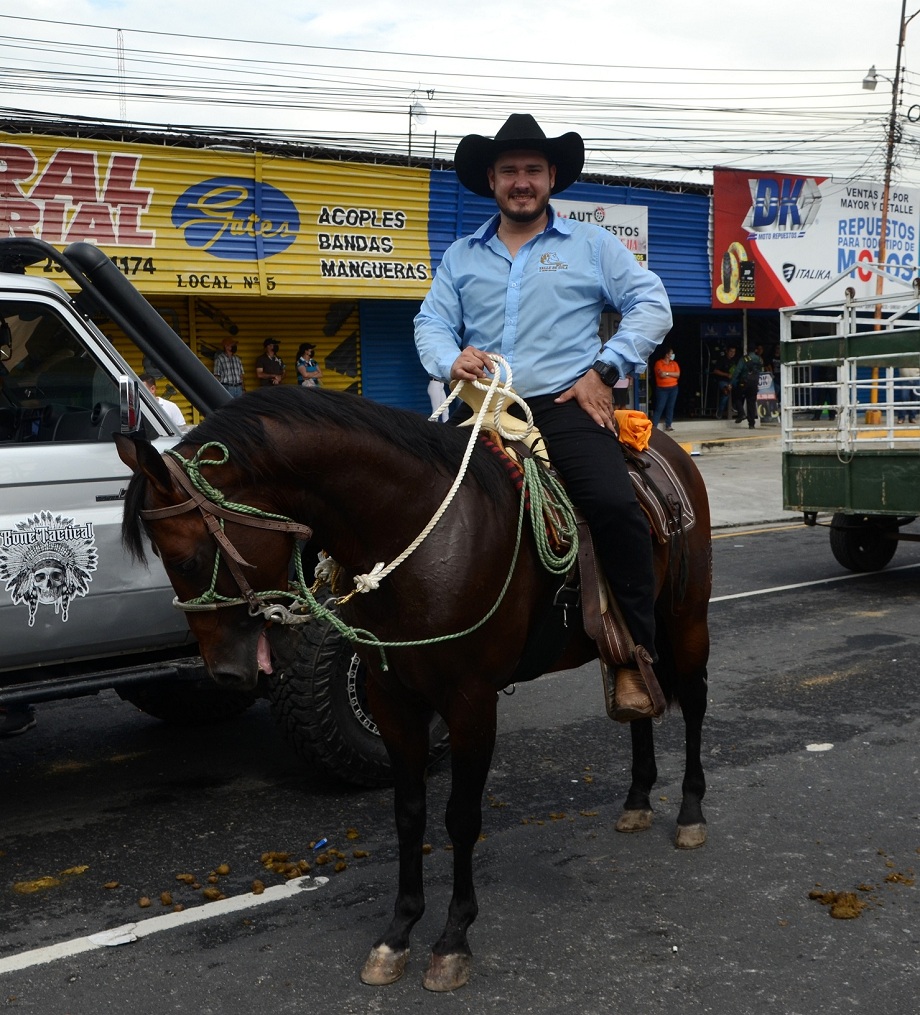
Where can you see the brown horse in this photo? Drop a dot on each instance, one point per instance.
(366, 480)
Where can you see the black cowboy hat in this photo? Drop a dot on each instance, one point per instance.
(475, 153)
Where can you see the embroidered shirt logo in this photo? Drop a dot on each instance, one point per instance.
(550, 262)
(47, 560)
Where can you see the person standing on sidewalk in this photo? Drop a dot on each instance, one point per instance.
(747, 379)
(269, 366)
(722, 371)
(667, 377)
(228, 367)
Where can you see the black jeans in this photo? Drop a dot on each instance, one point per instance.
(748, 404)
(589, 460)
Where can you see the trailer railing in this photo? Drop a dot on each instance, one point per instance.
(843, 381)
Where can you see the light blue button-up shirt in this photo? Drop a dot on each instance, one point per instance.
(541, 309)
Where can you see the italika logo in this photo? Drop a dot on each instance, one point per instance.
(236, 219)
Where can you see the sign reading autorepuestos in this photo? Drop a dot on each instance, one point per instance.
(628, 222)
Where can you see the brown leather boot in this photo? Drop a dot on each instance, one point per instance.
(631, 699)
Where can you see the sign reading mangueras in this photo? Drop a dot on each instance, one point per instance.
(777, 237)
(628, 222)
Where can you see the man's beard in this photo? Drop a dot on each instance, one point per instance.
(523, 216)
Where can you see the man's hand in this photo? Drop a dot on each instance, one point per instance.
(471, 365)
(593, 396)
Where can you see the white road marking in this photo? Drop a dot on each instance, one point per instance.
(805, 585)
(152, 925)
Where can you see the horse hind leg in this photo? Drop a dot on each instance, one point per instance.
(691, 690)
(691, 824)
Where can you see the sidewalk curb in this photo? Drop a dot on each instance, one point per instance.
(715, 443)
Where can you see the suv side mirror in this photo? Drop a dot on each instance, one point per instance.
(129, 402)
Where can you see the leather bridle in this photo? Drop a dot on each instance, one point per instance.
(213, 514)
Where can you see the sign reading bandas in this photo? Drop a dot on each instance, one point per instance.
(188, 221)
(777, 238)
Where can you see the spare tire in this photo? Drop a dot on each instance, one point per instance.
(320, 703)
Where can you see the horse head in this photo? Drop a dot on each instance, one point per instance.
(228, 567)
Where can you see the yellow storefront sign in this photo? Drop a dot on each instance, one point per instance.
(207, 223)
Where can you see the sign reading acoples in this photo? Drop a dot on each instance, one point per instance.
(777, 237)
(185, 220)
(628, 222)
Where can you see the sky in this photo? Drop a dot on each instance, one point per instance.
(663, 89)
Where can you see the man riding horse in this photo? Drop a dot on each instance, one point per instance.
(531, 286)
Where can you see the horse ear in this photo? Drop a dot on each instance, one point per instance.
(141, 456)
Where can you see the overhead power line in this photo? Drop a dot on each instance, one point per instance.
(676, 122)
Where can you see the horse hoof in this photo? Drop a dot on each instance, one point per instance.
(447, 972)
(384, 966)
(690, 836)
(634, 821)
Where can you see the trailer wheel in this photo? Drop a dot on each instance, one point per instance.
(863, 542)
(321, 708)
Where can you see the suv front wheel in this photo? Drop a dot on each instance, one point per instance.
(321, 707)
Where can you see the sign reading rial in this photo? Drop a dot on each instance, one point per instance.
(179, 220)
(777, 238)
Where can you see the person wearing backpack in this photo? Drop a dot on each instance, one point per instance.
(747, 378)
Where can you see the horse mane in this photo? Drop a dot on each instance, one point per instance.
(240, 425)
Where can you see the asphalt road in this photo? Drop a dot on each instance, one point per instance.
(810, 748)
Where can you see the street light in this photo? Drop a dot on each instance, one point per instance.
(418, 111)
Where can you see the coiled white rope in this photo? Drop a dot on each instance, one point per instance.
(496, 391)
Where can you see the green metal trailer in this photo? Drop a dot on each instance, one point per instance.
(849, 391)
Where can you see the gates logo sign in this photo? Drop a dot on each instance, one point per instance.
(236, 219)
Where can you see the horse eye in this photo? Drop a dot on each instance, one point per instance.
(185, 568)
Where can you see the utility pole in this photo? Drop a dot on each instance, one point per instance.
(893, 138)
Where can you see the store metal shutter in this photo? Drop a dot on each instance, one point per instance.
(390, 369)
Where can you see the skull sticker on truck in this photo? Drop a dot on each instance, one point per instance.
(47, 560)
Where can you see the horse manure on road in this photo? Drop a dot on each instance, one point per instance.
(844, 905)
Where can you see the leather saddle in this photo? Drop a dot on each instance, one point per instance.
(669, 511)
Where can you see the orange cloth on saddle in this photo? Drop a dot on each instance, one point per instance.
(635, 428)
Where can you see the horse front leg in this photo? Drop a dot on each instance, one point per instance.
(472, 741)
(637, 808)
(403, 726)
